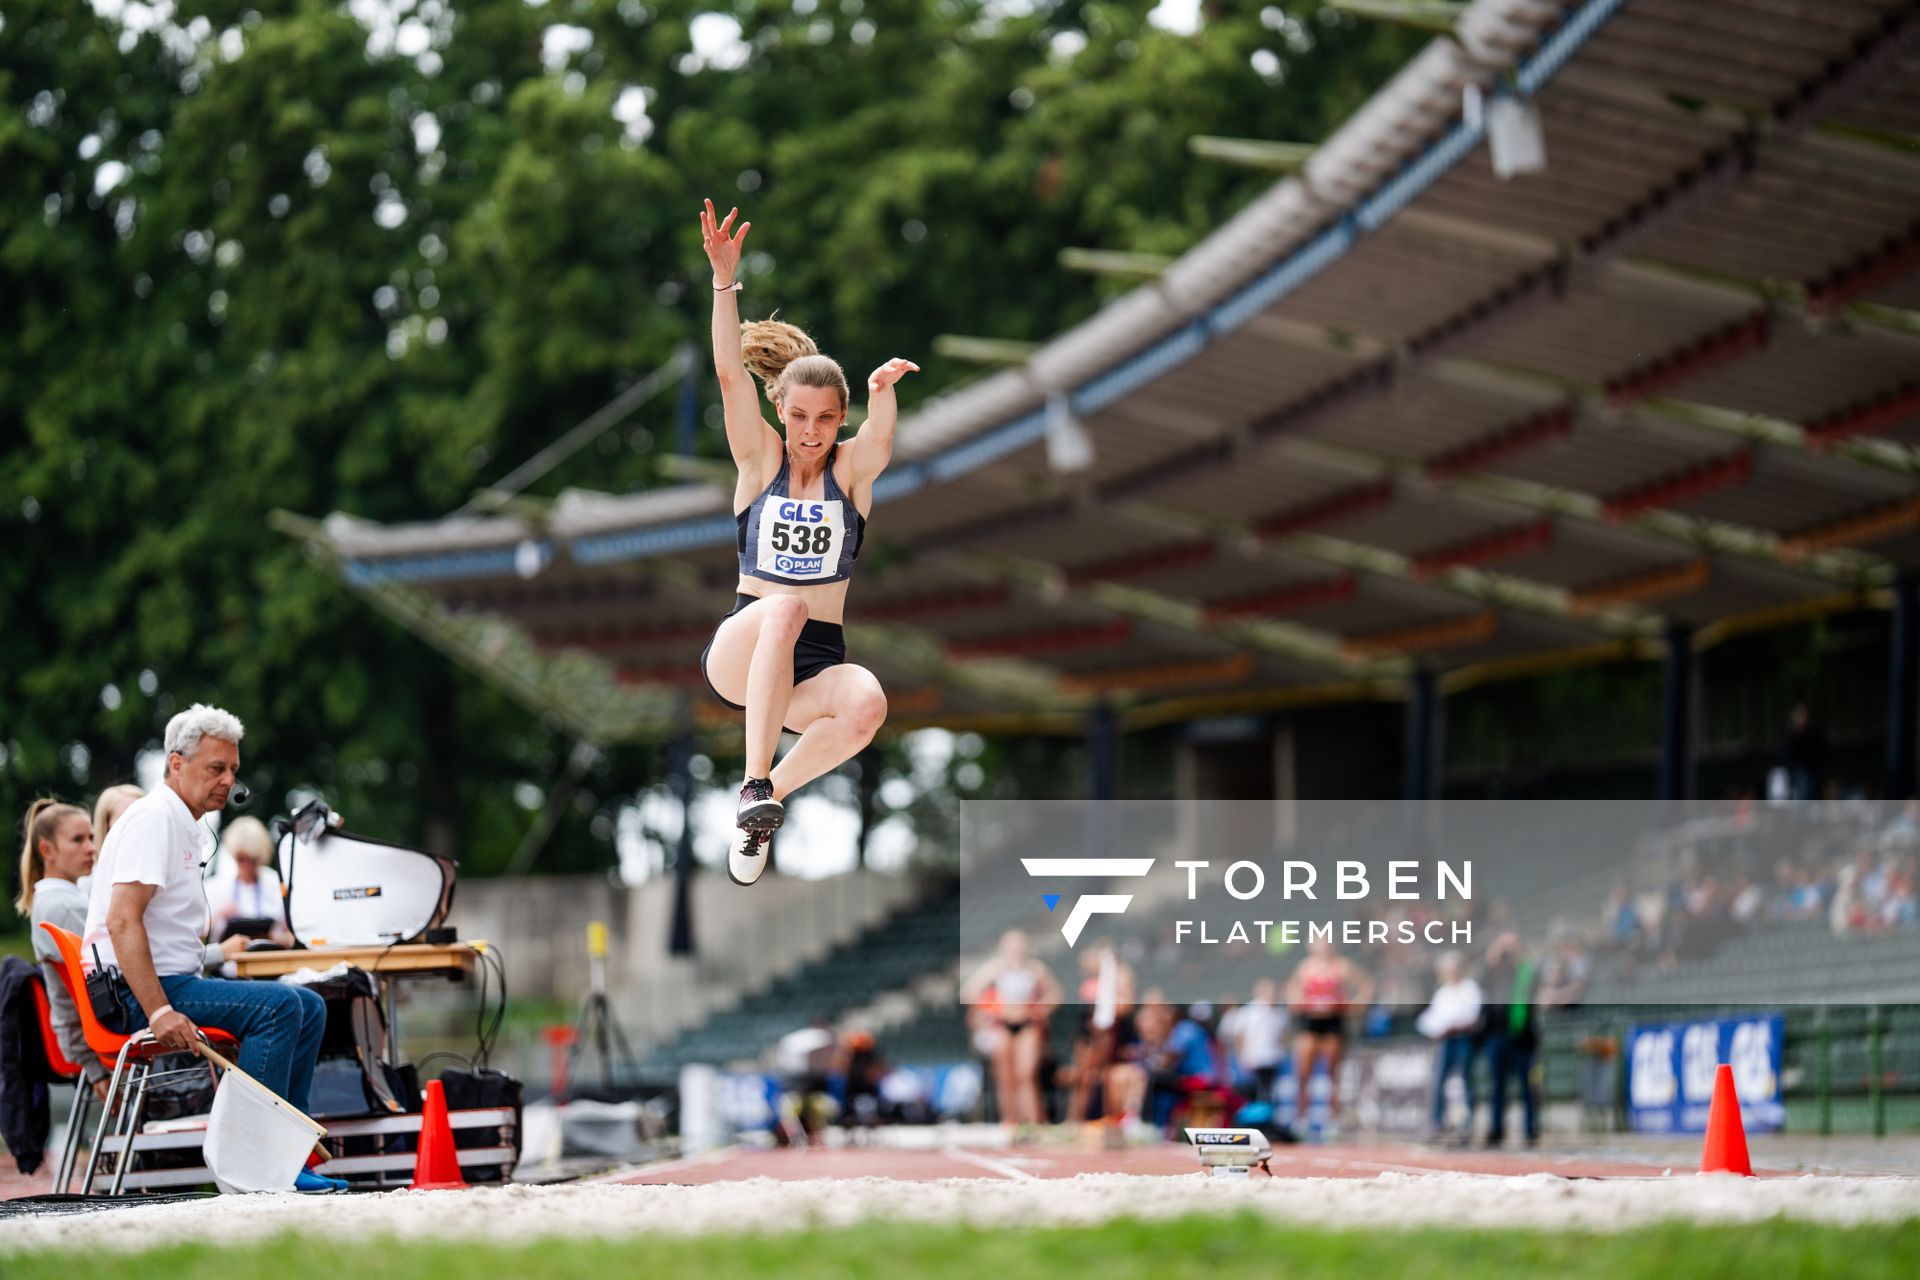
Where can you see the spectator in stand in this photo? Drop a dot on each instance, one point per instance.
(1563, 983)
(1697, 921)
(1902, 907)
(1806, 898)
(1806, 755)
(1847, 913)
(1620, 921)
(1672, 929)
(1780, 891)
(1873, 875)
(1451, 1020)
(1510, 1034)
(1745, 905)
(1650, 908)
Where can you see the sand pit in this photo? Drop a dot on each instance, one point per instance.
(520, 1213)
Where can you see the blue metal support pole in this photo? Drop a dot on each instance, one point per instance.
(1103, 752)
(1676, 716)
(1423, 710)
(680, 780)
(1905, 658)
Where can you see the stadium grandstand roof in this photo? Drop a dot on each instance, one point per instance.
(1397, 411)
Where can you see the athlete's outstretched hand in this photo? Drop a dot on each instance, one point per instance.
(888, 374)
(723, 250)
(872, 446)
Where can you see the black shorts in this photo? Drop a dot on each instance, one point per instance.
(821, 645)
(1323, 1024)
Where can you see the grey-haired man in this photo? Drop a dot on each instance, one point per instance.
(148, 914)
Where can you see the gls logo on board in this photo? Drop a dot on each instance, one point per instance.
(802, 512)
(1093, 904)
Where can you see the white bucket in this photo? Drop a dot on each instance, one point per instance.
(256, 1141)
(703, 1126)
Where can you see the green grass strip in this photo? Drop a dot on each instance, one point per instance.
(1212, 1247)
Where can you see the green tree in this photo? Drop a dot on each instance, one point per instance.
(251, 262)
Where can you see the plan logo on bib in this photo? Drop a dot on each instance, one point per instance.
(1092, 904)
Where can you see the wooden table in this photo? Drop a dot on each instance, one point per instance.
(406, 960)
(415, 959)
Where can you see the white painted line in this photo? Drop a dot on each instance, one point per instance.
(628, 1173)
(1381, 1166)
(991, 1165)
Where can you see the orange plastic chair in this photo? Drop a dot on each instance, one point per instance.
(70, 1073)
(132, 1057)
(56, 1056)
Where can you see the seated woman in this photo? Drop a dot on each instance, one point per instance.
(248, 888)
(57, 854)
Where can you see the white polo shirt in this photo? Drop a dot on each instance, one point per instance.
(156, 842)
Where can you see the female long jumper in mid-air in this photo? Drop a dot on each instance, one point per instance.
(801, 504)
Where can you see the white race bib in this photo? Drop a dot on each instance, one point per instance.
(801, 540)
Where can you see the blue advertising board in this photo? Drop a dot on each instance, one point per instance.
(1671, 1066)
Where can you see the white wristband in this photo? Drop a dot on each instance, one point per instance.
(157, 1014)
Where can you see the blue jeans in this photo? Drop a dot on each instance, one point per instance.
(1454, 1056)
(1509, 1060)
(278, 1026)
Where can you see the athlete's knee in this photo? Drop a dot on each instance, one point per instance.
(869, 711)
(785, 616)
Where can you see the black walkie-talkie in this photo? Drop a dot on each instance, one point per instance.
(107, 992)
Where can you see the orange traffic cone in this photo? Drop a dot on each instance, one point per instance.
(1726, 1148)
(436, 1166)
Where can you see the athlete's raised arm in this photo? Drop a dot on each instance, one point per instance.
(872, 446)
(755, 446)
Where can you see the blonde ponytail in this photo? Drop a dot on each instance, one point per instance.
(42, 822)
(781, 355)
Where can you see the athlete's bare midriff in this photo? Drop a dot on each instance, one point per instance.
(825, 603)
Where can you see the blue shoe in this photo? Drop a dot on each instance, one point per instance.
(310, 1183)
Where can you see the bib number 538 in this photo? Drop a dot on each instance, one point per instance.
(802, 539)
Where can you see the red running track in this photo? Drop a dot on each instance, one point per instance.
(1025, 1163)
